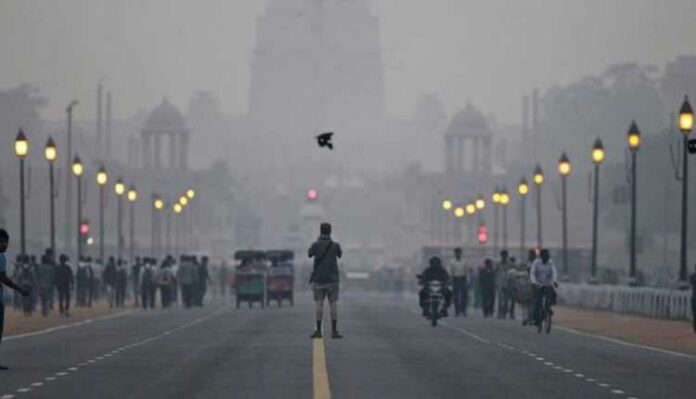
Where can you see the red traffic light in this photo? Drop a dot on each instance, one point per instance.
(312, 194)
(482, 234)
(84, 228)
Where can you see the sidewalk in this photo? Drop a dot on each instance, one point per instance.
(676, 336)
(17, 323)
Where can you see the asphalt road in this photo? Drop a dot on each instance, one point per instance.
(389, 352)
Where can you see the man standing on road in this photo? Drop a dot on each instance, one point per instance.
(65, 280)
(325, 278)
(186, 275)
(135, 280)
(5, 281)
(487, 283)
(459, 271)
(692, 280)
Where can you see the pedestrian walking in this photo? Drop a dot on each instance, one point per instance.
(148, 284)
(46, 281)
(223, 277)
(203, 280)
(325, 278)
(110, 279)
(121, 283)
(531, 258)
(166, 281)
(92, 290)
(459, 271)
(186, 275)
(692, 280)
(135, 279)
(488, 289)
(81, 283)
(65, 281)
(5, 281)
(503, 294)
(27, 280)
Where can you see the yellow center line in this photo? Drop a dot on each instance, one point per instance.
(321, 375)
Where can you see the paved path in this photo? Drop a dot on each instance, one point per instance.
(389, 352)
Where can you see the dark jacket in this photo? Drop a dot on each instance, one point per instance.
(435, 273)
(64, 277)
(325, 253)
(487, 278)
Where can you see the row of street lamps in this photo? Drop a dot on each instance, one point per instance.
(77, 168)
(501, 197)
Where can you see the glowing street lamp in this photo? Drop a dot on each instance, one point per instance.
(633, 139)
(190, 193)
(183, 200)
(564, 169)
(22, 150)
(686, 125)
(78, 170)
(132, 199)
(505, 201)
(597, 159)
(523, 191)
(51, 154)
(102, 180)
(120, 190)
(539, 180)
(447, 205)
(480, 203)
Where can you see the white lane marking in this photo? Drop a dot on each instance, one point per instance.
(579, 375)
(7, 396)
(36, 384)
(65, 326)
(541, 359)
(548, 363)
(50, 378)
(590, 379)
(617, 392)
(73, 368)
(465, 332)
(628, 344)
(61, 373)
(603, 385)
(23, 390)
(567, 371)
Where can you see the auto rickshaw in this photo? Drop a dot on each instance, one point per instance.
(281, 277)
(250, 277)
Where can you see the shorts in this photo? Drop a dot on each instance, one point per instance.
(329, 291)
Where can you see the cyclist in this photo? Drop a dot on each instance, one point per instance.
(543, 276)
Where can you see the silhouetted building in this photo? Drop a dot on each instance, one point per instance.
(165, 122)
(468, 143)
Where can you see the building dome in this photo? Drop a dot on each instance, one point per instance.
(468, 121)
(165, 116)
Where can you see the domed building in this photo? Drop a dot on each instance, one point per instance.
(468, 143)
(165, 123)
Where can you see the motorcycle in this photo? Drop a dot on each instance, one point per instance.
(434, 301)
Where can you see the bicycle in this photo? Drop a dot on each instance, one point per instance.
(544, 313)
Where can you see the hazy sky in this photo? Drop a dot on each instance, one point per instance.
(485, 51)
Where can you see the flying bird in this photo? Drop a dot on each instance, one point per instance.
(324, 140)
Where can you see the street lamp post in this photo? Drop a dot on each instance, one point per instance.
(633, 145)
(78, 170)
(496, 223)
(132, 198)
(51, 154)
(102, 179)
(68, 180)
(442, 229)
(157, 205)
(184, 201)
(597, 159)
(539, 179)
(686, 125)
(505, 201)
(177, 208)
(564, 169)
(119, 189)
(22, 150)
(523, 191)
(470, 210)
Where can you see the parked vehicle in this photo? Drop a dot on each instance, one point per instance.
(281, 277)
(251, 273)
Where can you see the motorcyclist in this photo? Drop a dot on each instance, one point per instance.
(543, 277)
(435, 272)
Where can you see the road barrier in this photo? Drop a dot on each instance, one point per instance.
(657, 303)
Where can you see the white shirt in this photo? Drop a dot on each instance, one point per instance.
(458, 268)
(543, 274)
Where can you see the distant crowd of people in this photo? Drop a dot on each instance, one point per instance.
(52, 283)
(497, 285)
